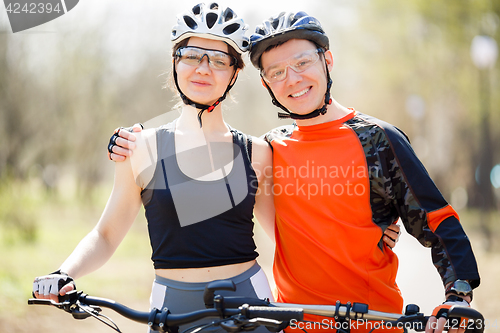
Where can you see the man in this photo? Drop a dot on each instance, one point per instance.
(340, 176)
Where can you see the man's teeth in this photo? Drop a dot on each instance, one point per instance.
(300, 93)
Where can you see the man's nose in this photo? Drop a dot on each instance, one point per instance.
(292, 76)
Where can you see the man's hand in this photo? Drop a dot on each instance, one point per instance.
(122, 143)
(437, 321)
(391, 235)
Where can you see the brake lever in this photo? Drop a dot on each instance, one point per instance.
(242, 324)
(82, 311)
(239, 324)
(69, 303)
(271, 324)
(38, 301)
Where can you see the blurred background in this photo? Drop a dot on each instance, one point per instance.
(428, 67)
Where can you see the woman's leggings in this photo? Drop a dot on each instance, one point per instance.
(182, 297)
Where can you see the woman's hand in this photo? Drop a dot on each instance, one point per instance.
(53, 285)
(391, 235)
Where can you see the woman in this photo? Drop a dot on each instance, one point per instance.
(199, 189)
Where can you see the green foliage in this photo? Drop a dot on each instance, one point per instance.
(59, 224)
(18, 208)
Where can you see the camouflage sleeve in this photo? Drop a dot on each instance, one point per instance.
(425, 213)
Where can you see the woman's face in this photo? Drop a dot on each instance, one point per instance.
(201, 83)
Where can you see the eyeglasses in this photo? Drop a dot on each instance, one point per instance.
(193, 56)
(299, 63)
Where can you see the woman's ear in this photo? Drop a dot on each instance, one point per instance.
(235, 76)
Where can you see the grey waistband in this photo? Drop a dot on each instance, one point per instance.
(201, 285)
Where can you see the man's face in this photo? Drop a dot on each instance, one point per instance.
(301, 92)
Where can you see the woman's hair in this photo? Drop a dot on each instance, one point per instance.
(169, 83)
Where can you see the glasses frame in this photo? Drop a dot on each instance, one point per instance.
(178, 56)
(289, 64)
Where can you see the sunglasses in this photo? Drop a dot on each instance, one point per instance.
(299, 63)
(193, 56)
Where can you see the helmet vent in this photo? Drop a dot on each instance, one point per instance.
(190, 22)
(211, 19)
(275, 23)
(197, 10)
(214, 6)
(228, 14)
(231, 28)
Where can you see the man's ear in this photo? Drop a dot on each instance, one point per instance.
(263, 83)
(329, 59)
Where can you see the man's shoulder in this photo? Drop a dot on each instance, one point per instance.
(279, 133)
(367, 125)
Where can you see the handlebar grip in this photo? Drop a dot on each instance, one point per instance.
(465, 312)
(469, 313)
(280, 314)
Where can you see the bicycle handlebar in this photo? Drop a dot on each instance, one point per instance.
(358, 311)
(237, 313)
(163, 320)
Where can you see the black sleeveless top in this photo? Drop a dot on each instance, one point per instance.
(196, 223)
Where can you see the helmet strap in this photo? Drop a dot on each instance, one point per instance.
(203, 107)
(312, 114)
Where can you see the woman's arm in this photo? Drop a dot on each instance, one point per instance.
(120, 212)
(262, 162)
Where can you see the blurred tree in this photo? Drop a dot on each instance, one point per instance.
(12, 103)
(422, 48)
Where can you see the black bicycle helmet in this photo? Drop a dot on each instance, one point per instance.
(212, 22)
(280, 29)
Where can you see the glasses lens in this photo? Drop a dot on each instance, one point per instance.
(298, 63)
(193, 56)
(189, 56)
(220, 60)
(304, 61)
(275, 74)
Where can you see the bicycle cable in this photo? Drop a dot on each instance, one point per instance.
(197, 328)
(96, 316)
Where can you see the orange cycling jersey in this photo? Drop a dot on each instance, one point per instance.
(338, 186)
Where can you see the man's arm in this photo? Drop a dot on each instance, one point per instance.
(121, 144)
(429, 218)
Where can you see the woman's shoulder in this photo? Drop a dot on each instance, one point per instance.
(260, 144)
(144, 157)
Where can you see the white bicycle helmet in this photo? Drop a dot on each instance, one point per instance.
(212, 21)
